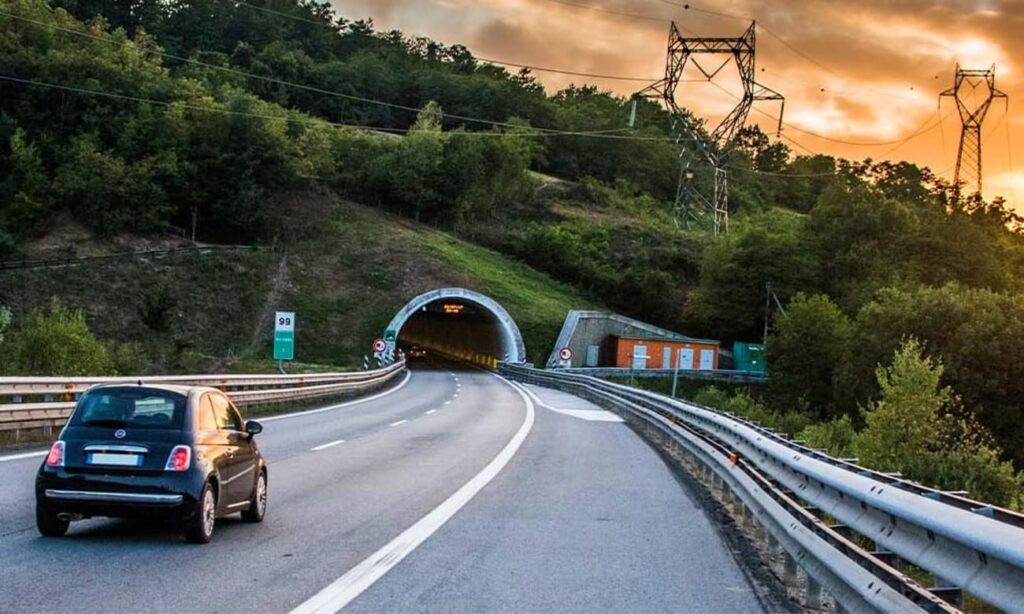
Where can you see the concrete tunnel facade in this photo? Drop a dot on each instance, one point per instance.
(459, 322)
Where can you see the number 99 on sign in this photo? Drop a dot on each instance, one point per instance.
(285, 320)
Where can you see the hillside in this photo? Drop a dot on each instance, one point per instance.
(353, 269)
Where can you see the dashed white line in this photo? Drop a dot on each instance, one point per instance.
(447, 402)
(398, 423)
(430, 411)
(342, 591)
(327, 445)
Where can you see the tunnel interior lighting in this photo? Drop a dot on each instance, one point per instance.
(453, 308)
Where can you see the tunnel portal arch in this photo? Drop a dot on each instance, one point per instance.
(514, 348)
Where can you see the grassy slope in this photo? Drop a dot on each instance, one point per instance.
(354, 268)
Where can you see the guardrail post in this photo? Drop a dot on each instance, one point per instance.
(813, 599)
(789, 569)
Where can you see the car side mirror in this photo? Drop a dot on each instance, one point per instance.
(253, 428)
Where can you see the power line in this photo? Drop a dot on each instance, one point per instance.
(598, 9)
(567, 72)
(898, 141)
(131, 44)
(302, 118)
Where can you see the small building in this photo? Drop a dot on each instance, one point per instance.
(658, 352)
(749, 357)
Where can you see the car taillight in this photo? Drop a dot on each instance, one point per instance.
(56, 456)
(179, 459)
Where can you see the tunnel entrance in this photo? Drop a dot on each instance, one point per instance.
(458, 323)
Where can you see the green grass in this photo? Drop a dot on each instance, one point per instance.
(345, 281)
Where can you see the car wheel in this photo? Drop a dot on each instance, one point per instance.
(199, 528)
(48, 523)
(258, 505)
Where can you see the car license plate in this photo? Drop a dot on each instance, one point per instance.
(120, 460)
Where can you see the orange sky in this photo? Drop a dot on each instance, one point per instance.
(881, 63)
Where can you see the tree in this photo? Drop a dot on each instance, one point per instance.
(736, 269)
(904, 424)
(808, 346)
(977, 333)
(918, 429)
(23, 187)
(57, 341)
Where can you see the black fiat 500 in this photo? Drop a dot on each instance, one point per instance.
(177, 453)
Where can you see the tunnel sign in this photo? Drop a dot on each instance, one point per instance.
(565, 354)
(390, 336)
(380, 345)
(284, 335)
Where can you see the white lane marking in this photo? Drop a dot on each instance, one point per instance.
(591, 415)
(298, 414)
(430, 411)
(447, 402)
(14, 457)
(361, 577)
(327, 445)
(398, 423)
(455, 396)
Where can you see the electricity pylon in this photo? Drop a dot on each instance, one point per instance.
(690, 203)
(968, 161)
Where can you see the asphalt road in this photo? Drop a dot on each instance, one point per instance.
(455, 493)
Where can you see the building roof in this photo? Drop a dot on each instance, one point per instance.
(668, 339)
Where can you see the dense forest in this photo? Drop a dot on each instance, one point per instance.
(159, 116)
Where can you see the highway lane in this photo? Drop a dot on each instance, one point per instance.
(569, 524)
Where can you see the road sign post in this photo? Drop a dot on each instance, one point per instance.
(284, 336)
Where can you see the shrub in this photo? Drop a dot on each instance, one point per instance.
(57, 341)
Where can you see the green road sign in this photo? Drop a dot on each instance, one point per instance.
(284, 335)
(284, 345)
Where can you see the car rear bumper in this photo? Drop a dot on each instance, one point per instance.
(171, 498)
(112, 497)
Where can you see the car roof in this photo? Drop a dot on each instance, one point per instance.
(182, 390)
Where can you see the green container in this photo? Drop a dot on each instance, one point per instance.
(749, 357)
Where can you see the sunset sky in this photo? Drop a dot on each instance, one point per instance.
(864, 73)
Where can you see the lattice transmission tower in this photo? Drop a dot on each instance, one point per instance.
(691, 203)
(965, 91)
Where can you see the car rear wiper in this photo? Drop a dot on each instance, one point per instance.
(104, 422)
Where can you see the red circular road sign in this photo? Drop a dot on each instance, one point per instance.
(565, 354)
(380, 345)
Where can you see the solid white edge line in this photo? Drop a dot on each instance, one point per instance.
(342, 591)
(309, 412)
(14, 457)
(400, 422)
(327, 445)
(430, 411)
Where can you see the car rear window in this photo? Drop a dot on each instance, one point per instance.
(130, 407)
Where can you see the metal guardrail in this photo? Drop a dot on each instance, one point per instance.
(714, 375)
(966, 545)
(58, 394)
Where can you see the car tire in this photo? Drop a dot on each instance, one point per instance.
(199, 528)
(48, 523)
(258, 504)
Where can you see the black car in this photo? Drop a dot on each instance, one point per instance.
(169, 452)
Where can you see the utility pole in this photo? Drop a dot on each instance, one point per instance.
(972, 114)
(691, 204)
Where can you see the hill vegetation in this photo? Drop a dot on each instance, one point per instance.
(200, 116)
